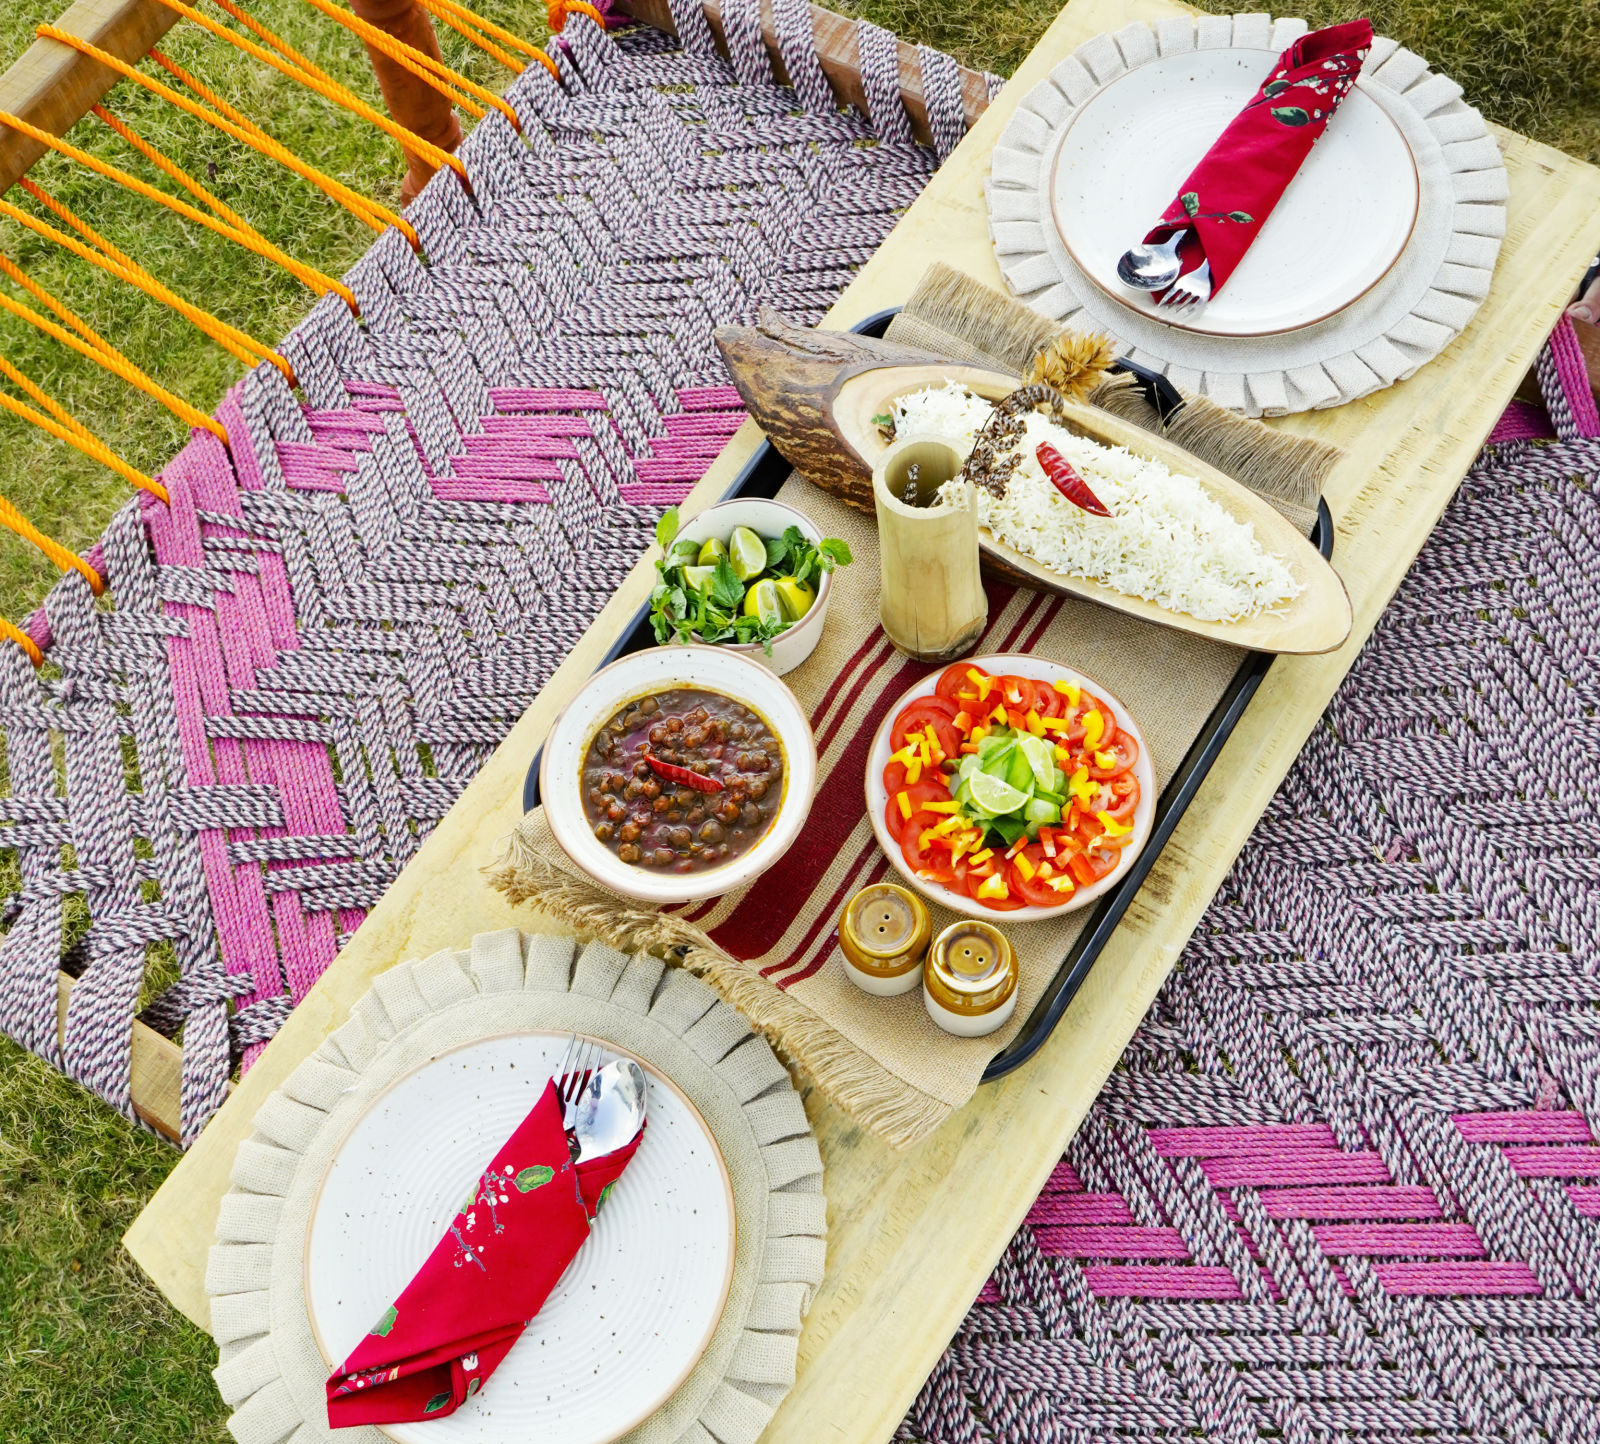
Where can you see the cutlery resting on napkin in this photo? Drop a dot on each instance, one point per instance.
(1220, 209)
(503, 1252)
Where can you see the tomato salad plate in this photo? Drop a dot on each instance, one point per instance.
(1010, 784)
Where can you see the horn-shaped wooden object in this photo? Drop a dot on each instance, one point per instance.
(815, 394)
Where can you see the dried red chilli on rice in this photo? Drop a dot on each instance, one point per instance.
(1064, 477)
(683, 775)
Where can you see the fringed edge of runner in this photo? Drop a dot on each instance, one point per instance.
(887, 1105)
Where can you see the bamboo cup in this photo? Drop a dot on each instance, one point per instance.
(932, 601)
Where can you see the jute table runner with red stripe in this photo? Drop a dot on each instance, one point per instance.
(771, 948)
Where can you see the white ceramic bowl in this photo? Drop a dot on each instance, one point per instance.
(768, 519)
(713, 669)
(1018, 664)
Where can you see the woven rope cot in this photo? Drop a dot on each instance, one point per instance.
(306, 650)
(1345, 1182)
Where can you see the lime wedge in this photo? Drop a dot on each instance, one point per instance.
(797, 597)
(710, 549)
(1038, 753)
(699, 577)
(764, 601)
(994, 796)
(747, 552)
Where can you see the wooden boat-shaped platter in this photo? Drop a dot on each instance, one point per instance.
(815, 393)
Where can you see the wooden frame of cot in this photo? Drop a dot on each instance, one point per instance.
(53, 86)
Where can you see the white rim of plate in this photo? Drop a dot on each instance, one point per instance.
(1018, 664)
(1197, 324)
(1386, 336)
(655, 1073)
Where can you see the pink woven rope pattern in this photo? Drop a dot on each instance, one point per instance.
(1344, 1183)
(311, 651)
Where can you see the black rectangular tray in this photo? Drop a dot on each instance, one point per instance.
(762, 475)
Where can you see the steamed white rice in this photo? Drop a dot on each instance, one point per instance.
(1167, 541)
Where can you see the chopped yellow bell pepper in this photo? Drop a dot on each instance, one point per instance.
(1112, 826)
(904, 803)
(1094, 727)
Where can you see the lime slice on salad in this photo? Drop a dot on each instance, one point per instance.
(1038, 752)
(797, 597)
(994, 796)
(710, 549)
(764, 601)
(699, 577)
(747, 552)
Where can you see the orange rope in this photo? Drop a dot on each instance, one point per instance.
(239, 127)
(247, 237)
(439, 82)
(114, 262)
(468, 24)
(11, 518)
(98, 349)
(69, 429)
(560, 9)
(329, 89)
(437, 74)
(23, 640)
(243, 128)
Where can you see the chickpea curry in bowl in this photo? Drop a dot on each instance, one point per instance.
(678, 773)
(682, 780)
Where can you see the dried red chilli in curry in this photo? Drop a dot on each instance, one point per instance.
(682, 780)
(673, 773)
(1066, 480)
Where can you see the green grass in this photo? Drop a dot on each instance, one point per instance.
(88, 1350)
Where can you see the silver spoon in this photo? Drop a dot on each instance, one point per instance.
(1150, 268)
(610, 1109)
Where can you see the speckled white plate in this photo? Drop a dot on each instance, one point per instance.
(631, 1316)
(1017, 664)
(1338, 230)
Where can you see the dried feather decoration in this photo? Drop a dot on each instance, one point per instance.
(1074, 363)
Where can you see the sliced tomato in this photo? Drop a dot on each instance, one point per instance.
(932, 862)
(974, 879)
(954, 680)
(1123, 751)
(926, 712)
(1047, 701)
(1016, 692)
(1087, 703)
(1093, 863)
(895, 774)
(929, 789)
(1036, 890)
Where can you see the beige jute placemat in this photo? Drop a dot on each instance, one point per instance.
(770, 948)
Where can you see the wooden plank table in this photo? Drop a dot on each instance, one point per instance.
(912, 1236)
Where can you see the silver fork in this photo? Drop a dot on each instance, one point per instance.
(583, 1057)
(1190, 291)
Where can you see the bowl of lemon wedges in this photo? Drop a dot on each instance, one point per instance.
(751, 575)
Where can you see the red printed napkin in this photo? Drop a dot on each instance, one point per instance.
(526, 1218)
(1233, 190)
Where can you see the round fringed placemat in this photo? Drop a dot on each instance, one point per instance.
(271, 1372)
(1405, 321)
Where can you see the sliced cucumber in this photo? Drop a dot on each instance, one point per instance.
(1019, 771)
(1042, 812)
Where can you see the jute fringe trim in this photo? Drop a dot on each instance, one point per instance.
(877, 1099)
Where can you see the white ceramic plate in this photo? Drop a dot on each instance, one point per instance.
(1338, 230)
(631, 1316)
(1017, 664)
(639, 674)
